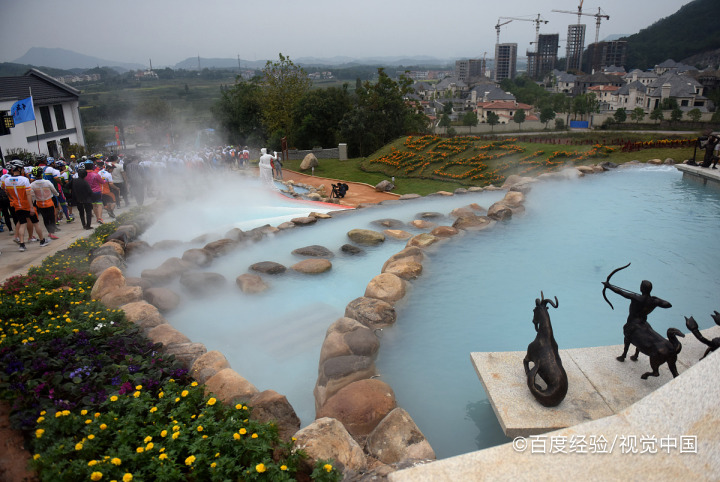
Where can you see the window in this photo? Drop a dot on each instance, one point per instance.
(52, 147)
(59, 117)
(684, 103)
(4, 130)
(46, 120)
(65, 146)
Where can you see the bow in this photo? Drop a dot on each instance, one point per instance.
(607, 281)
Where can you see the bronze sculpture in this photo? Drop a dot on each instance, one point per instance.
(543, 353)
(713, 344)
(637, 331)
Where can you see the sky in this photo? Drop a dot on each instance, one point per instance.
(169, 31)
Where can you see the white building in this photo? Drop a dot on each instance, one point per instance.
(57, 116)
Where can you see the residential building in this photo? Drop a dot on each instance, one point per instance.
(561, 82)
(686, 91)
(606, 95)
(543, 60)
(470, 70)
(637, 75)
(57, 116)
(504, 109)
(505, 61)
(575, 46)
(671, 66)
(584, 82)
(605, 54)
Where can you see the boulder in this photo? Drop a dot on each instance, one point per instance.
(121, 296)
(167, 244)
(207, 365)
(384, 186)
(236, 234)
(366, 236)
(162, 298)
(607, 165)
(360, 406)
(199, 257)
(654, 161)
(586, 169)
(514, 179)
(473, 223)
(423, 224)
(430, 215)
(112, 249)
(413, 253)
(397, 438)
(136, 248)
(166, 272)
(500, 211)
(409, 196)
(314, 251)
(386, 287)
(669, 161)
(202, 282)
(109, 280)
(371, 312)
(405, 268)
(308, 162)
(340, 371)
(348, 337)
(167, 335)
(304, 220)
(326, 439)
(251, 283)
(351, 250)
(513, 199)
(388, 223)
(473, 208)
(441, 193)
(444, 231)
(143, 314)
(269, 406)
(320, 215)
(312, 266)
(185, 353)
(142, 283)
(101, 263)
(268, 267)
(397, 234)
(230, 388)
(422, 240)
(220, 247)
(286, 225)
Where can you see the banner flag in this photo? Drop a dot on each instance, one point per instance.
(23, 111)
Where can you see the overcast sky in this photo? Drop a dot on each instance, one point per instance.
(169, 31)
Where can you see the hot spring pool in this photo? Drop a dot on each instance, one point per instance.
(476, 293)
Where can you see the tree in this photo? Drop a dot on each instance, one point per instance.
(637, 114)
(493, 119)
(239, 113)
(694, 114)
(470, 119)
(716, 116)
(282, 85)
(447, 108)
(444, 121)
(657, 115)
(620, 115)
(668, 103)
(519, 117)
(317, 116)
(675, 115)
(546, 115)
(585, 104)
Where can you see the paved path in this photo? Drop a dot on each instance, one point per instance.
(359, 193)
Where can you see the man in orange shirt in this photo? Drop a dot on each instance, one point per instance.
(18, 189)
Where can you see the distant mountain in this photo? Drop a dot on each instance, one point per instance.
(191, 63)
(690, 31)
(67, 59)
(9, 69)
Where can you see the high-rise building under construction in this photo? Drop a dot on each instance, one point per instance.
(505, 61)
(575, 46)
(543, 60)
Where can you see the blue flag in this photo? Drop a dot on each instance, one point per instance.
(23, 110)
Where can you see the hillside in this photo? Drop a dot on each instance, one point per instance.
(67, 59)
(690, 31)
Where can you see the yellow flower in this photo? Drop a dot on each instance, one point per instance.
(140, 450)
(91, 436)
(127, 477)
(39, 432)
(115, 461)
(97, 414)
(175, 435)
(177, 399)
(147, 439)
(161, 394)
(149, 446)
(153, 410)
(194, 384)
(283, 467)
(213, 465)
(103, 426)
(236, 436)
(139, 387)
(175, 428)
(211, 401)
(162, 456)
(254, 435)
(136, 394)
(78, 446)
(88, 421)
(83, 412)
(327, 467)
(260, 468)
(200, 428)
(238, 406)
(96, 476)
(184, 393)
(113, 398)
(242, 431)
(190, 460)
(92, 462)
(40, 419)
(36, 456)
(66, 412)
(163, 433)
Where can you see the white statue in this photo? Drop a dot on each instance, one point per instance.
(266, 167)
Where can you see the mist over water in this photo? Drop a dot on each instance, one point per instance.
(476, 293)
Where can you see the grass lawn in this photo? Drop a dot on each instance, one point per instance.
(428, 164)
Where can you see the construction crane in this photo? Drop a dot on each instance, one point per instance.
(598, 18)
(497, 28)
(537, 22)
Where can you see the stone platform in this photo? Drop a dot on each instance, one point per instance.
(704, 175)
(599, 385)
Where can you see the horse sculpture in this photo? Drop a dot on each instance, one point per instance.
(543, 353)
(713, 344)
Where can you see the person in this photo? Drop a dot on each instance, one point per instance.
(109, 191)
(95, 181)
(44, 191)
(245, 157)
(8, 213)
(60, 180)
(18, 188)
(118, 179)
(266, 167)
(716, 155)
(277, 164)
(710, 144)
(135, 175)
(83, 197)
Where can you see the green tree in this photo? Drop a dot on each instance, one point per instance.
(282, 85)
(546, 115)
(317, 116)
(694, 115)
(668, 103)
(620, 115)
(239, 113)
(637, 114)
(675, 115)
(519, 117)
(448, 108)
(657, 115)
(470, 119)
(444, 121)
(559, 124)
(493, 119)
(716, 116)
(585, 104)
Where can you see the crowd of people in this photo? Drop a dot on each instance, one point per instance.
(92, 186)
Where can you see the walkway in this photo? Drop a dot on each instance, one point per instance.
(359, 193)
